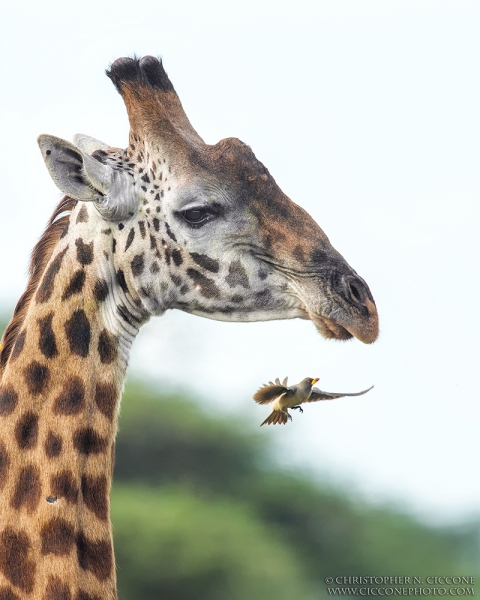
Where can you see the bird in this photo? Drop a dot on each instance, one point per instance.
(282, 397)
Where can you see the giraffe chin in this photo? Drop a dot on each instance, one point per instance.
(329, 329)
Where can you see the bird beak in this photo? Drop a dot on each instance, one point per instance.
(314, 381)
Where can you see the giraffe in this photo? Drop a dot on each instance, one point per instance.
(169, 222)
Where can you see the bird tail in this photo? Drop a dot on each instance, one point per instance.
(276, 417)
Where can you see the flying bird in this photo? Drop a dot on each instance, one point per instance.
(282, 397)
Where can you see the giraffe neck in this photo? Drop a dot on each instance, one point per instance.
(59, 399)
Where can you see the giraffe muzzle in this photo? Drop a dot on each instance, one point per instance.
(343, 308)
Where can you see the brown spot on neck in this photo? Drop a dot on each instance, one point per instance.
(107, 347)
(130, 238)
(58, 537)
(82, 595)
(6, 593)
(57, 590)
(106, 399)
(72, 398)
(82, 216)
(18, 346)
(15, 561)
(8, 400)
(95, 556)
(47, 342)
(77, 329)
(26, 431)
(84, 252)
(27, 489)
(95, 495)
(88, 441)
(64, 485)
(4, 464)
(76, 284)
(37, 377)
(138, 264)
(48, 281)
(53, 445)
(100, 290)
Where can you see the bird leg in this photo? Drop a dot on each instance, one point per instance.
(297, 407)
(289, 416)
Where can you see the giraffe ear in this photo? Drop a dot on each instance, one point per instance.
(84, 178)
(65, 165)
(88, 144)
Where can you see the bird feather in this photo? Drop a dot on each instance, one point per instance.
(268, 393)
(276, 417)
(317, 394)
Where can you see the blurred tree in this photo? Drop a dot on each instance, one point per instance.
(173, 544)
(336, 535)
(173, 440)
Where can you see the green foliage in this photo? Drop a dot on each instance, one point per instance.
(171, 440)
(335, 535)
(220, 520)
(173, 544)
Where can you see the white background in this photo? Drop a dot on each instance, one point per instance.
(367, 114)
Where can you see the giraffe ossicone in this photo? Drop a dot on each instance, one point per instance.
(169, 222)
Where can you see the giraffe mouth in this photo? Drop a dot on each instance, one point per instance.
(331, 330)
(339, 321)
(363, 329)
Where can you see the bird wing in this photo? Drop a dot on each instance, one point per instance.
(317, 395)
(270, 392)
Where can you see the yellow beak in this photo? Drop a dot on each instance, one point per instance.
(314, 381)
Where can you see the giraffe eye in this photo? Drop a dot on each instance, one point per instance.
(196, 215)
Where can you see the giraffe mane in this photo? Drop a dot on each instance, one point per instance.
(40, 257)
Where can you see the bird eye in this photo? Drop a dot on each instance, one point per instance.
(196, 215)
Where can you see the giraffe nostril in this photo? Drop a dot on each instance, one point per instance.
(51, 499)
(355, 293)
(354, 289)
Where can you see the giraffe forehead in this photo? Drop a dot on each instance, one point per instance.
(229, 165)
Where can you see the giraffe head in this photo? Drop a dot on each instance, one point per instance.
(203, 228)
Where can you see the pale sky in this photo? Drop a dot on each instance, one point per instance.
(367, 114)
